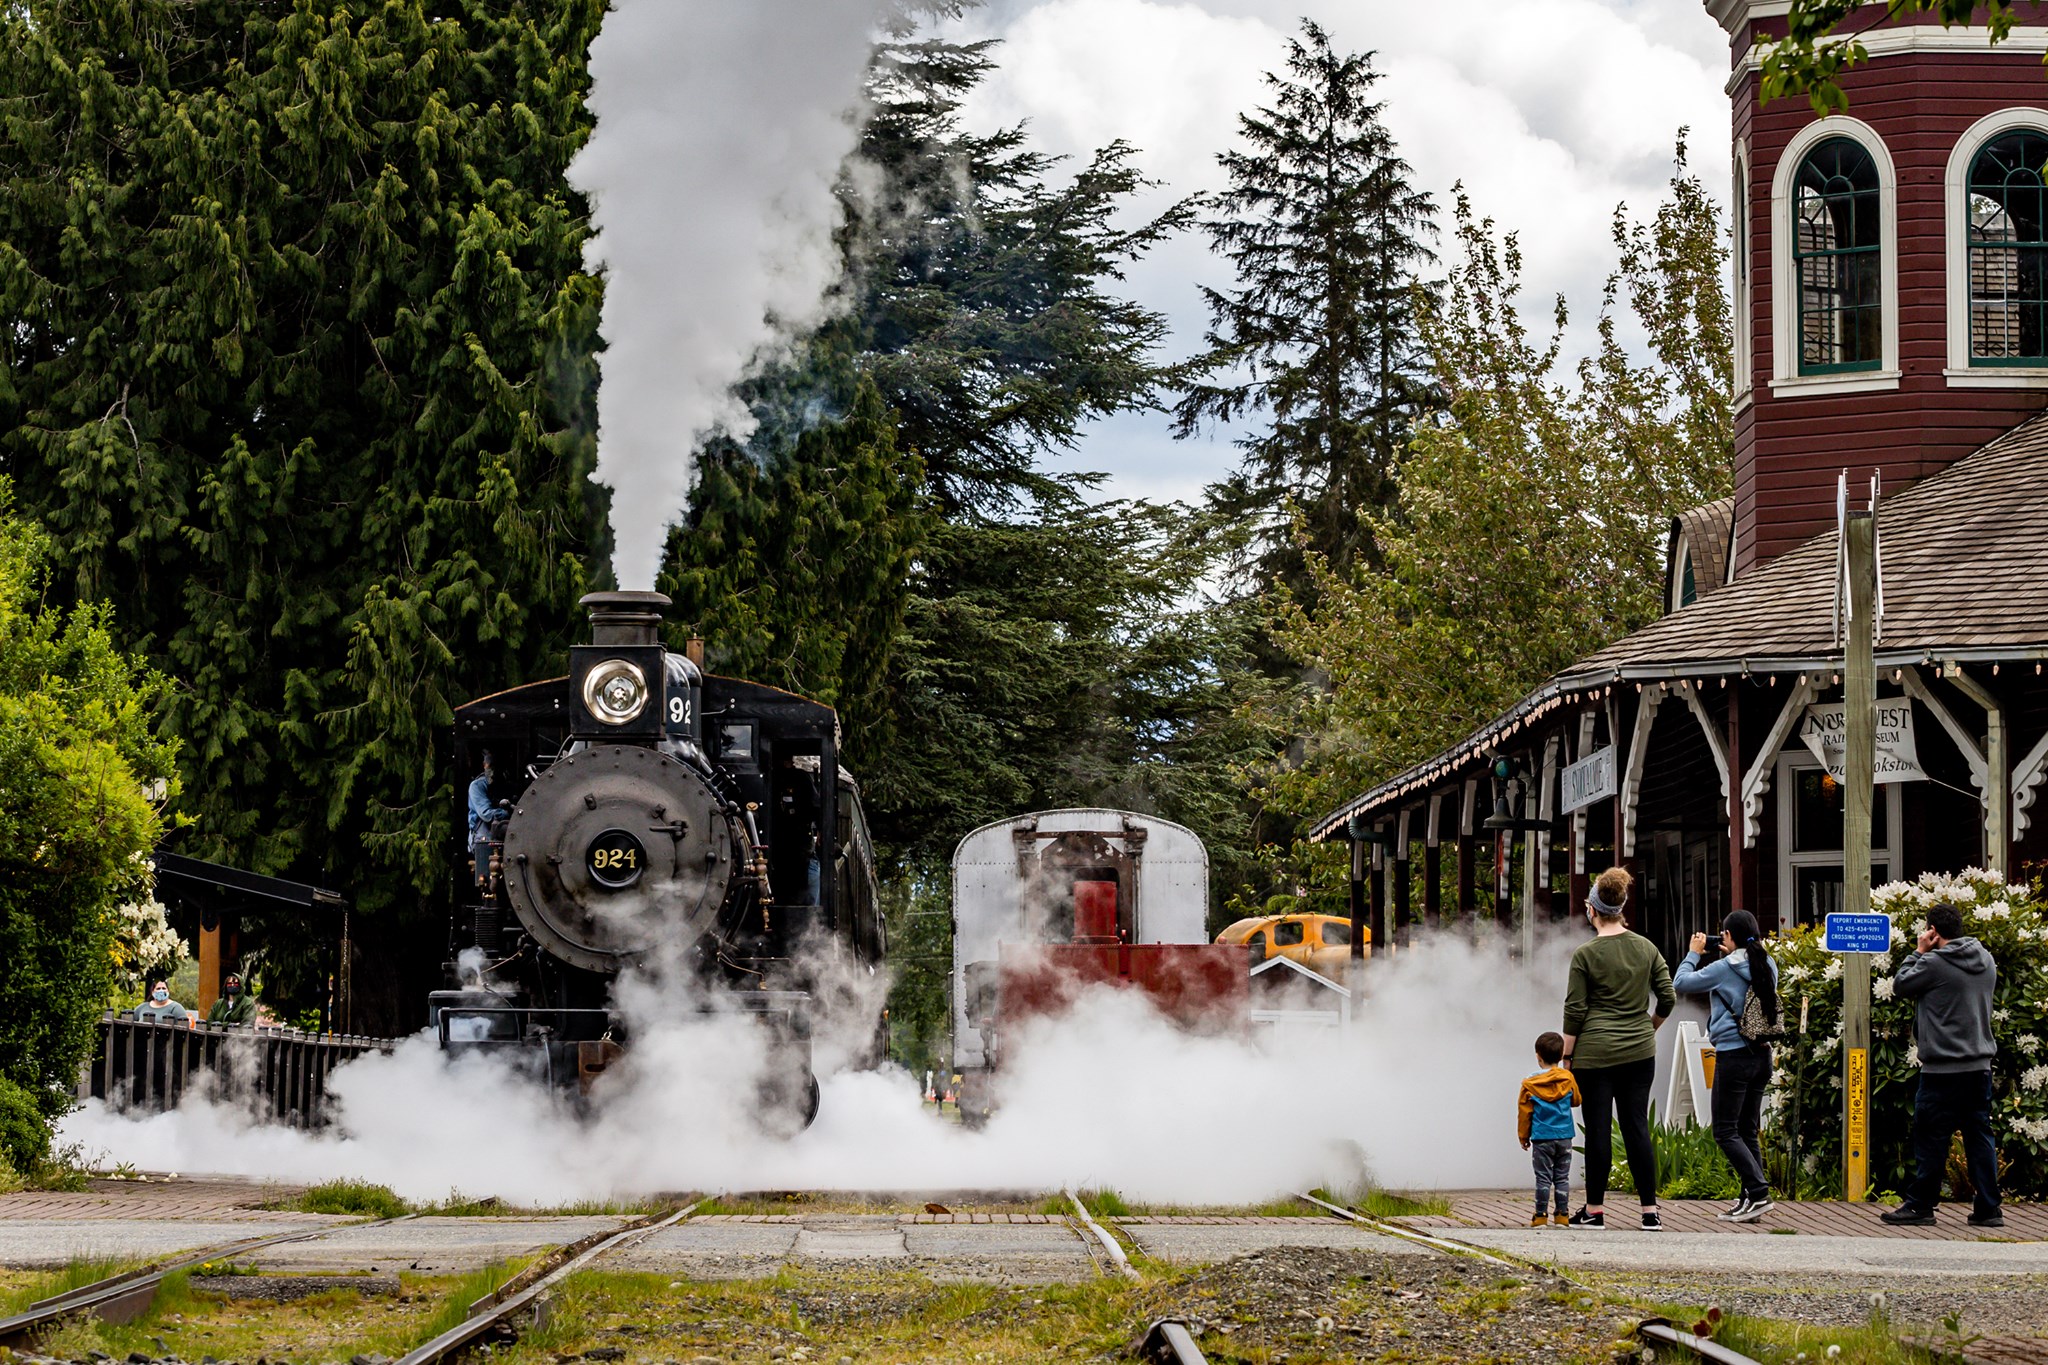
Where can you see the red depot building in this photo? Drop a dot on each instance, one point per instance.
(1890, 280)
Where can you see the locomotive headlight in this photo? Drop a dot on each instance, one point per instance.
(615, 691)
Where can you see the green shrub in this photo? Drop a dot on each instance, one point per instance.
(24, 1132)
(1689, 1164)
(358, 1197)
(2012, 923)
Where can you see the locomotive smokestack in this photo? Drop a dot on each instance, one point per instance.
(625, 618)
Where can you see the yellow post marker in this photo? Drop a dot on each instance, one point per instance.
(1859, 764)
(1856, 1134)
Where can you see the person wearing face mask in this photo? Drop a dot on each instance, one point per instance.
(160, 1008)
(1742, 1066)
(1610, 1045)
(233, 1007)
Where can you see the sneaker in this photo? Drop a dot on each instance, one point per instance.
(1993, 1219)
(1753, 1209)
(1906, 1216)
(1733, 1213)
(1583, 1219)
(1651, 1222)
(1559, 1219)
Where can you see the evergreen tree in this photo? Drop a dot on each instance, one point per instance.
(298, 377)
(1533, 511)
(794, 561)
(1317, 342)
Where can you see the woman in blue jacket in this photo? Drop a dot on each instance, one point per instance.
(1742, 1068)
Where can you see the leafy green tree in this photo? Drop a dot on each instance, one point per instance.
(80, 750)
(1317, 343)
(1810, 59)
(1533, 513)
(298, 376)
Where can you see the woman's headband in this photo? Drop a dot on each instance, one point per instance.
(1599, 903)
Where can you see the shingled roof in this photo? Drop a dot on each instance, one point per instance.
(1705, 531)
(1964, 556)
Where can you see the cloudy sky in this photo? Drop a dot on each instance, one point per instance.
(1550, 111)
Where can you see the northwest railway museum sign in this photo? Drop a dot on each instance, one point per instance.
(1824, 730)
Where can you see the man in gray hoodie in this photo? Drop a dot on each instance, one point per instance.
(1952, 978)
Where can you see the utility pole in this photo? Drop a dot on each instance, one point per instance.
(1859, 762)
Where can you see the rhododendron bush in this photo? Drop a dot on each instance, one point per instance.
(2011, 920)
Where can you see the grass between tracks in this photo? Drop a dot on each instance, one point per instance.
(333, 1326)
(1104, 1203)
(1775, 1342)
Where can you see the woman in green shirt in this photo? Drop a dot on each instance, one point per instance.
(1610, 1044)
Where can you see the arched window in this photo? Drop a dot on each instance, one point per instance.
(1837, 252)
(2008, 266)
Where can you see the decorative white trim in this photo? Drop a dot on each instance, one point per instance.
(1716, 741)
(1956, 237)
(1905, 41)
(1585, 747)
(1401, 837)
(1546, 804)
(1757, 780)
(1471, 804)
(1741, 259)
(1855, 381)
(2026, 776)
(1436, 814)
(1785, 376)
(1973, 751)
(1998, 377)
(1632, 784)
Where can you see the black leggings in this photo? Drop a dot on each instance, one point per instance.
(1626, 1087)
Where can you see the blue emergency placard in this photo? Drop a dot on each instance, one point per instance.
(1858, 934)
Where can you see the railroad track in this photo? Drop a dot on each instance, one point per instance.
(529, 1288)
(127, 1296)
(1657, 1331)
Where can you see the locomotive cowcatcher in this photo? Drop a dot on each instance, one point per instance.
(641, 814)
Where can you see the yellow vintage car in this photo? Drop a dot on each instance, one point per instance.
(1319, 942)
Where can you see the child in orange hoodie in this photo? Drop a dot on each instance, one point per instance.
(1546, 1104)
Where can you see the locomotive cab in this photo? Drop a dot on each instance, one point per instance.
(661, 821)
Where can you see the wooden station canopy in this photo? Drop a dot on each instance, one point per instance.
(1713, 725)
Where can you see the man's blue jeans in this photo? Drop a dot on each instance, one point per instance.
(1946, 1104)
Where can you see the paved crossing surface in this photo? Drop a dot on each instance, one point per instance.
(1821, 1218)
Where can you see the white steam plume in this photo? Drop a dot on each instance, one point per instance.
(721, 125)
(1110, 1095)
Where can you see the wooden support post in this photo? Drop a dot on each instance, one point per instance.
(1432, 866)
(1404, 912)
(1358, 910)
(1997, 771)
(1468, 852)
(1379, 899)
(212, 964)
(1859, 763)
(1738, 891)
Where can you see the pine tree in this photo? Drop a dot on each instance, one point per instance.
(1534, 510)
(1317, 343)
(301, 383)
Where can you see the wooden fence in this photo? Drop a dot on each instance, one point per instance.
(278, 1075)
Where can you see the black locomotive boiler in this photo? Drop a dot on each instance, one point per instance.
(640, 813)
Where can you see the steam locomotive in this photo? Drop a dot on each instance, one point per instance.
(644, 814)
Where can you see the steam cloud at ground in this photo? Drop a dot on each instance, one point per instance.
(1109, 1095)
(720, 130)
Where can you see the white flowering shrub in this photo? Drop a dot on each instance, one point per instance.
(144, 947)
(2011, 921)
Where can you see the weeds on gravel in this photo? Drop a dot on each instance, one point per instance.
(1777, 1342)
(76, 1275)
(361, 1198)
(358, 1197)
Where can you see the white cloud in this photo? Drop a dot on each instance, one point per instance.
(1550, 112)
